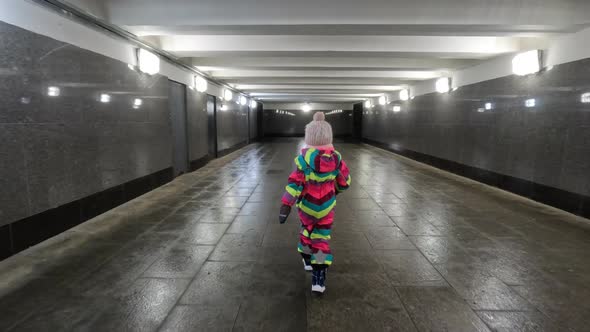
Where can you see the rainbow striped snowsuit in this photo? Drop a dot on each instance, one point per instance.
(319, 176)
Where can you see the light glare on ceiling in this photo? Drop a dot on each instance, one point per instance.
(105, 98)
(306, 107)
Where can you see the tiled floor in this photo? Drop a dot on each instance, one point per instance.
(415, 249)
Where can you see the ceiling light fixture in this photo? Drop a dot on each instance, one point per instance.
(227, 94)
(404, 94)
(397, 109)
(488, 106)
(149, 63)
(585, 98)
(201, 84)
(443, 85)
(243, 101)
(526, 63)
(253, 103)
(223, 107)
(368, 103)
(137, 102)
(382, 100)
(306, 107)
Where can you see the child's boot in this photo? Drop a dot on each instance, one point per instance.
(318, 280)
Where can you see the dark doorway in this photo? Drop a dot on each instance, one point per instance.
(357, 121)
(177, 102)
(212, 125)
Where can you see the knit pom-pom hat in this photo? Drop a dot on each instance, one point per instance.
(318, 132)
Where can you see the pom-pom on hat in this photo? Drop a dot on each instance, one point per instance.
(318, 132)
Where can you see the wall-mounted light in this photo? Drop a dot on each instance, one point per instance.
(149, 63)
(443, 85)
(105, 98)
(488, 106)
(227, 94)
(306, 107)
(530, 102)
(130, 66)
(368, 103)
(585, 98)
(243, 101)
(137, 102)
(223, 107)
(404, 94)
(455, 89)
(253, 103)
(53, 91)
(201, 84)
(397, 109)
(526, 63)
(481, 110)
(382, 100)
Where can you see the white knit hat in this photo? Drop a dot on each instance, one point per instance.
(318, 132)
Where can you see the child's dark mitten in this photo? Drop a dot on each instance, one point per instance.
(284, 213)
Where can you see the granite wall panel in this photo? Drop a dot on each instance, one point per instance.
(197, 124)
(232, 125)
(548, 144)
(66, 145)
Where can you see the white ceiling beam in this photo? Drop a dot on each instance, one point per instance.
(271, 12)
(415, 75)
(539, 30)
(336, 62)
(391, 44)
(267, 87)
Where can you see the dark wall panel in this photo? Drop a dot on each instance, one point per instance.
(276, 124)
(232, 125)
(58, 149)
(197, 124)
(548, 144)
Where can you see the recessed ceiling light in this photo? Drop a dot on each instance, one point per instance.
(443, 85)
(382, 100)
(397, 109)
(526, 63)
(149, 63)
(404, 94)
(227, 95)
(201, 84)
(306, 107)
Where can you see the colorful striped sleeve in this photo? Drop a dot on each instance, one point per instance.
(343, 178)
(294, 187)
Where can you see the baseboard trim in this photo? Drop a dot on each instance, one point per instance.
(22, 234)
(558, 198)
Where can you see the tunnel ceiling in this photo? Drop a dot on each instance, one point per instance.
(334, 50)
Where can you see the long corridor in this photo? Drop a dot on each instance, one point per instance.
(415, 249)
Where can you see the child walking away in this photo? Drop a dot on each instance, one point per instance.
(319, 176)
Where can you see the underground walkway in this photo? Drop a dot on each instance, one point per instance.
(415, 249)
